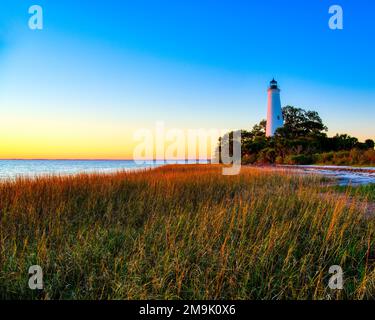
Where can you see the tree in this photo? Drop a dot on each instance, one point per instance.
(344, 142)
(370, 144)
(259, 130)
(299, 122)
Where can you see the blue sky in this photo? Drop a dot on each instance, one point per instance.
(114, 66)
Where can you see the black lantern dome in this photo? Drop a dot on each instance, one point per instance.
(273, 84)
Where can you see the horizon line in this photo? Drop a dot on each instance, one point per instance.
(97, 159)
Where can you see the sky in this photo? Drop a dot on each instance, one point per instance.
(101, 70)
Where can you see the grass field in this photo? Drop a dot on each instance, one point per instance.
(366, 192)
(184, 232)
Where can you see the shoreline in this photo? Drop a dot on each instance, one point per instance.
(343, 175)
(331, 168)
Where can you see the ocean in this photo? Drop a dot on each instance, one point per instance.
(10, 169)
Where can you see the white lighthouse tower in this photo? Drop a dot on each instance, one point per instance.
(274, 112)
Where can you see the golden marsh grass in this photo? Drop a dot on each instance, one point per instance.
(183, 232)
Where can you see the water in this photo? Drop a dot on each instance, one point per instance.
(10, 169)
(344, 175)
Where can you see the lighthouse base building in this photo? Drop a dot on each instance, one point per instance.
(274, 112)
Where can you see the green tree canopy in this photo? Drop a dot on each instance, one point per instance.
(301, 123)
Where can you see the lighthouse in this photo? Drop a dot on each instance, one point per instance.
(274, 112)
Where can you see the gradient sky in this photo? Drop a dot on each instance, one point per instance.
(99, 70)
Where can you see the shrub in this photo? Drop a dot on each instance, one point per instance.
(301, 159)
(249, 158)
(267, 155)
(279, 160)
(369, 156)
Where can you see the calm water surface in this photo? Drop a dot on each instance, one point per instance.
(10, 169)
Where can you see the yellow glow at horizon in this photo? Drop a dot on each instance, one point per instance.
(63, 139)
(44, 138)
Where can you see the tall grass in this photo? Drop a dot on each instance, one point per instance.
(183, 232)
(366, 192)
